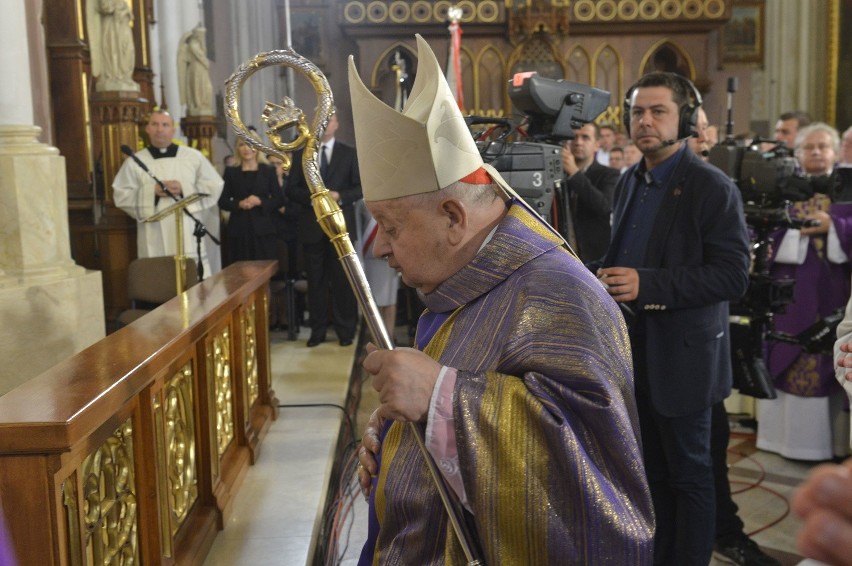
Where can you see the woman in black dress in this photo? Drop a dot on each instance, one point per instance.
(253, 196)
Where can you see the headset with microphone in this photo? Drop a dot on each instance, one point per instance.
(688, 113)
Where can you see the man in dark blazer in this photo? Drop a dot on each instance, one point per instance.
(339, 170)
(589, 188)
(679, 254)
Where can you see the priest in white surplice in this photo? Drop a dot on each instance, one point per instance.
(184, 171)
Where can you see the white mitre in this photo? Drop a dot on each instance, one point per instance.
(424, 148)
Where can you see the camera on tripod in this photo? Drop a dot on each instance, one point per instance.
(528, 155)
(765, 172)
(766, 178)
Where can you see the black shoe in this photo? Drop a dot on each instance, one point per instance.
(315, 341)
(744, 552)
(346, 341)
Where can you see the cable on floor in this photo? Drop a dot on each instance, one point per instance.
(349, 422)
(758, 484)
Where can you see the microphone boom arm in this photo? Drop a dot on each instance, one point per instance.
(200, 228)
(129, 153)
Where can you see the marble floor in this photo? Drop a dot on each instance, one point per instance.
(762, 484)
(278, 513)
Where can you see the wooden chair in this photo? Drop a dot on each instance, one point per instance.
(150, 283)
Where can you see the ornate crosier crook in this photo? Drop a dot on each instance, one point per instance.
(278, 119)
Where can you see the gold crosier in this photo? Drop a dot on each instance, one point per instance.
(279, 118)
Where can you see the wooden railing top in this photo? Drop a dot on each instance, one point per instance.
(55, 410)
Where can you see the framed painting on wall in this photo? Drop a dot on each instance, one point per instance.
(307, 31)
(742, 37)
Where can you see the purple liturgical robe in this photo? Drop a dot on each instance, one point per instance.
(822, 287)
(545, 419)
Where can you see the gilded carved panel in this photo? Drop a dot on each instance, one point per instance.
(219, 361)
(109, 502)
(176, 450)
(250, 353)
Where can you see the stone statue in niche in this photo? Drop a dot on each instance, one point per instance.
(196, 90)
(113, 53)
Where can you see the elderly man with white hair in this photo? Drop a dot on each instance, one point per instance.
(806, 421)
(521, 377)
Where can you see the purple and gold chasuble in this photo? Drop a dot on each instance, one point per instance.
(821, 288)
(545, 419)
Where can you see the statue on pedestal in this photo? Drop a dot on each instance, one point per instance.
(111, 44)
(196, 90)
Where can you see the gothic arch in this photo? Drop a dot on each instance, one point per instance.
(681, 58)
(490, 81)
(383, 80)
(468, 73)
(542, 56)
(582, 70)
(608, 72)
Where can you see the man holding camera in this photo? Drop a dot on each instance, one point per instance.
(679, 254)
(589, 188)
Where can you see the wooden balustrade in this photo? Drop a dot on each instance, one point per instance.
(132, 450)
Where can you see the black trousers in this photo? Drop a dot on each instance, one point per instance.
(327, 278)
(728, 523)
(677, 459)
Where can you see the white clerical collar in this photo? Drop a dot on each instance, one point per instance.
(488, 237)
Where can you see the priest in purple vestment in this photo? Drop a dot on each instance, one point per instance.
(521, 379)
(805, 422)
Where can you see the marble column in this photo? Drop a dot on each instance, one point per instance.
(172, 23)
(50, 307)
(795, 71)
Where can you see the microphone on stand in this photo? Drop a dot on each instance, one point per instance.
(200, 230)
(129, 153)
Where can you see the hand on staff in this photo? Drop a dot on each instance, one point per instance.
(824, 502)
(370, 445)
(621, 282)
(404, 378)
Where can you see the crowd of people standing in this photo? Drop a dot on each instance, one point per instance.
(664, 233)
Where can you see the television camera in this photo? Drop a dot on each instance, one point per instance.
(528, 155)
(765, 172)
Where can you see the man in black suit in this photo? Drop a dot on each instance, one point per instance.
(339, 171)
(679, 254)
(732, 543)
(589, 187)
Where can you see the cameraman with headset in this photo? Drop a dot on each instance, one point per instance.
(679, 254)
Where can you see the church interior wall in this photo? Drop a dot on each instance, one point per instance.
(792, 74)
